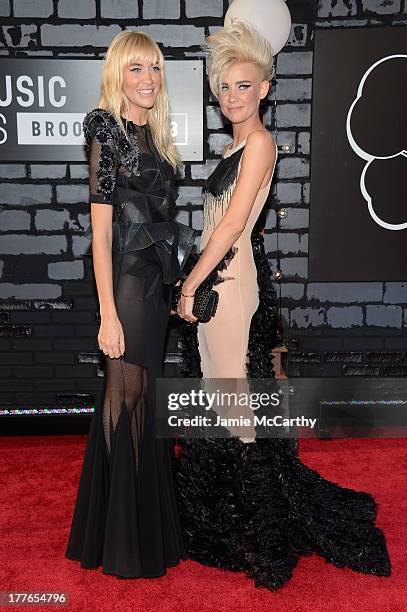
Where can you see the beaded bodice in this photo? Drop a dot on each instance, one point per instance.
(129, 173)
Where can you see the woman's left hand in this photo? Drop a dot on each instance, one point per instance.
(185, 305)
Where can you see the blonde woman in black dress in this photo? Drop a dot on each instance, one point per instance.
(125, 517)
(249, 503)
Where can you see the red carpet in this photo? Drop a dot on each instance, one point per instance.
(39, 479)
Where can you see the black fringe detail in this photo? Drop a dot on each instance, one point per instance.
(224, 175)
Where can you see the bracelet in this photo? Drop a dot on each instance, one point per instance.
(185, 295)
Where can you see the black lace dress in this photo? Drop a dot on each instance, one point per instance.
(256, 507)
(125, 517)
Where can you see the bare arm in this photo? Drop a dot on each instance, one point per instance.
(102, 177)
(257, 164)
(110, 337)
(101, 216)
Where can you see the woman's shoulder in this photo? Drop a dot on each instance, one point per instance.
(98, 116)
(101, 126)
(100, 123)
(261, 143)
(261, 137)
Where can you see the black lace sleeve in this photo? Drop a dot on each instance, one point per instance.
(102, 156)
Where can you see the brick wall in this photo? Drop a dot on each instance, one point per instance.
(48, 325)
(333, 329)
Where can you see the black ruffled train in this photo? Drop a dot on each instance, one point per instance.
(256, 507)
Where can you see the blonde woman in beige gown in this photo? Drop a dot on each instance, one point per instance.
(249, 504)
(227, 358)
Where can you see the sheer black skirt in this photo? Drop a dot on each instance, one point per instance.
(125, 517)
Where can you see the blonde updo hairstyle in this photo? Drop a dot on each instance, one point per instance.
(130, 47)
(237, 42)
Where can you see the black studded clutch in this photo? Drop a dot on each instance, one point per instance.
(205, 302)
(206, 298)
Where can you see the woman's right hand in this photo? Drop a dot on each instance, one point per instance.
(111, 337)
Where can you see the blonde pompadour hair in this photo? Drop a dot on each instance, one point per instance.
(127, 48)
(237, 42)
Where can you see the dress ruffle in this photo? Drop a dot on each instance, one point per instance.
(257, 508)
(172, 240)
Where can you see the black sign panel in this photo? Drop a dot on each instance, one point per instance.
(43, 102)
(358, 209)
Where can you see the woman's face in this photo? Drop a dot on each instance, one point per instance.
(141, 83)
(241, 90)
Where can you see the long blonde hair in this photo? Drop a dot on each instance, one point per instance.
(237, 42)
(127, 48)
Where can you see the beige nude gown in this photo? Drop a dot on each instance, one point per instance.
(223, 341)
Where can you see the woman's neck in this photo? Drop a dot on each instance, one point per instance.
(137, 114)
(242, 130)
